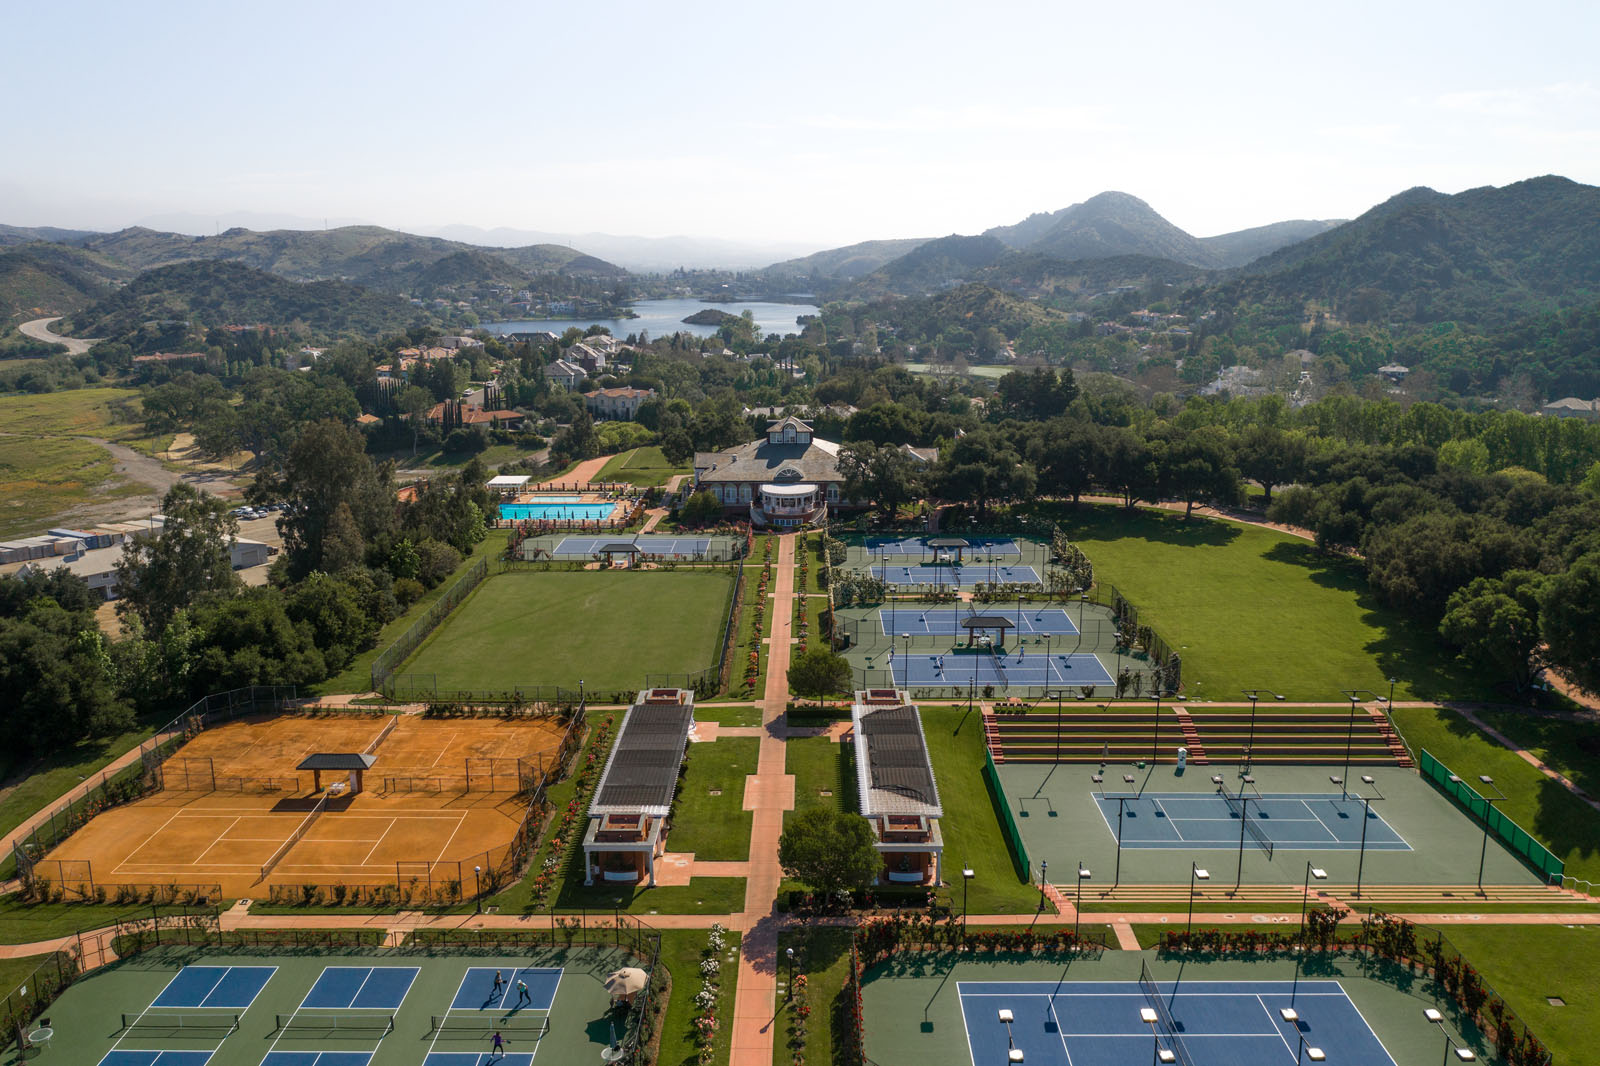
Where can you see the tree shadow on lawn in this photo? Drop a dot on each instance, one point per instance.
(1404, 648)
(1108, 522)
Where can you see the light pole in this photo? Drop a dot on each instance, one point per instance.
(1195, 874)
(1350, 731)
(1058, 725)
(1488, 815)
(907, 668)
(1117, 880)
(1366, 816)
(1044, 864)
(1158, 1054)
(1305, 896)
(966, 880)
(1244, 813)
(788, 993)
(1463, 1054)
(1077, 906)
(1253, 694)
(477, 886)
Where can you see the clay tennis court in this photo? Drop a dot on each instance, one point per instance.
(441, 796)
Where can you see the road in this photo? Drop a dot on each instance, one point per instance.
(39, 330)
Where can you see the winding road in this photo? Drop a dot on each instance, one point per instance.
(39, 330)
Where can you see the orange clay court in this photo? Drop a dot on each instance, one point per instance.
(414, 814)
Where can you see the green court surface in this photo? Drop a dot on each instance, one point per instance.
(607, 629)
(1056, 810)
(289, 1010)
(913, 1005)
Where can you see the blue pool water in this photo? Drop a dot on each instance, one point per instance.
(582, 512)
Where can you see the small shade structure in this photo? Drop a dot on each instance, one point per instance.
(619, 547)
(977, 622)
(353, 762)
(626, 983)
(955, 544)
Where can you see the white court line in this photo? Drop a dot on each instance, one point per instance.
(444, 748)
(1265, 1010)
(1061, 1034)
(1331, 834)
(459, 823)
(215, 842)
(378, 841)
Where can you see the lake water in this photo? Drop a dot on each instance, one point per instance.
(661, 317)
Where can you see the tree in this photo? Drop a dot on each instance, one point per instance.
(1569, 615)
(703, 506)
(57, 682)
(160, 574)
(982, 467)
(327, 466)
(830, 850)
(251, 640)
(885, 474)
(1199, 466)
(415, 403)
(1271, 457)
(1496, 621)
(819, 673)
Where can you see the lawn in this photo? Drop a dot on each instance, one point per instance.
(30, 788)
(43, 477)
(724, 715)
(1559, 820)
(971, 826)
(643, 467)
(823, 955)
(357, 677)
(819, 765)
(1251, 607)
(608, 629)
(25, 923)
(15, 971)
(682, 951)
(708, 815)
(106, 412)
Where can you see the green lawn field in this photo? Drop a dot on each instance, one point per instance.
(1251, 607)
(708, 815)
(643, 467)
(608, 629)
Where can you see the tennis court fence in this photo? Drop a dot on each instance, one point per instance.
(1540, 859)
(138, 777)
(390, 658)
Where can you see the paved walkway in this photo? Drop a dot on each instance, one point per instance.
(768, 792)
(582, 474)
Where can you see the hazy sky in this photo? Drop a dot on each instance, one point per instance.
(818, 122)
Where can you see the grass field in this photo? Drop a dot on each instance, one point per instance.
(1250, 607)
(823, 955)
(1558, 819)
(608, 629)
(41, 477)
(715, 827)
(643, 467)
(821, 765)
(30, 788)
(106, 412)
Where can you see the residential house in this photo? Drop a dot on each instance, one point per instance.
(788, 478)
(622, 403)
(1572, 407)
(566, 374)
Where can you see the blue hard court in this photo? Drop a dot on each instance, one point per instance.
(955, 575)
(478, 1058)
(946, 621)
(653, 545)
(477, 991)
(1001, 671)
(122, 1057)
(317, 1058)
(375, 987)
(1219, 1023)
(1305, 821)
(919, 545)
(235, 987)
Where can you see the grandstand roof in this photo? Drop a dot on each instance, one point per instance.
(641, 774)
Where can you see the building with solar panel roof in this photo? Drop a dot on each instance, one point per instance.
(627, 818)
(896, 790)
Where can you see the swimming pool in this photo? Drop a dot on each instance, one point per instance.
(582, 512)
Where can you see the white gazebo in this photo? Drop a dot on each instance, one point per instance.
(791, 504)
(509, 484)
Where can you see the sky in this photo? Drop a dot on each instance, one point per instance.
(817, 123)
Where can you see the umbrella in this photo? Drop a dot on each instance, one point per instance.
(627, 981)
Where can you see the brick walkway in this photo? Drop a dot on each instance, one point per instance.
(768, 792)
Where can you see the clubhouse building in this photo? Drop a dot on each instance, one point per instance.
(788, 478)
(627, 829)
(896, 792)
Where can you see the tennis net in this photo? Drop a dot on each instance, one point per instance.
(294, 837)
(1240, 807)
(479, 1025)
(178, 1023)
(328, 1023)
(1152, 992)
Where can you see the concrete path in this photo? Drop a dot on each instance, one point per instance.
(769, 792)
(39, 330)
(1526, 756)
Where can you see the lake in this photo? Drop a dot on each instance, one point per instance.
(661, 317)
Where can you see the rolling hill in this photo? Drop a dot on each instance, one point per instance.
(851, 261)
(208, 293)
(41, 278)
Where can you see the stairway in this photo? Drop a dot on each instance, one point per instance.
(1386, 730)
(991, 737)
(1191, 737)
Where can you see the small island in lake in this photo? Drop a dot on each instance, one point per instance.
(709, 317)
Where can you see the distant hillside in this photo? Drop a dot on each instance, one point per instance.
(1032, 272)
(1242, 246)
(208, 294)
(1485, 255)
(851, 261)
(25, 234)
(937, 262)
(53, 278)
(972, 306)
(370, 255)
(1115, 223)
